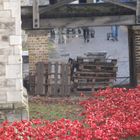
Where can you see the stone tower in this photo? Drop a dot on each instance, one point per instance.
(13, 97)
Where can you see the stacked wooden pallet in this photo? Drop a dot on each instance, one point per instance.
(51, 79)
(59, 83)
(94, 72)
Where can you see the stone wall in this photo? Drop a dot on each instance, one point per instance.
(11, 85)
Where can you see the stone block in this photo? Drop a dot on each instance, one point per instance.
(6, 51)
(18, 50)
(8, 20)
(15, 40)
(19, 84)
(18, 27)
(3, 97)
(7, 32)
(14, 59)
(6, 83)
(6, 106)
(4, 14)
(2, 69)
(10, 82)
(7, 28)
(5, 38)
(2, 83)
(3, 58)
(13, 71)
(1, 7)
(14, 96)
(3, 44)
(12, 6)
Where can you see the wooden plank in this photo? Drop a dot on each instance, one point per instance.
(90, 89)
(97, 68)
(84, 21)
(95, 83)
(63, 78)
(94, 74)
(36, 21)
(94, 80)
(40, 87)
(56, 5)
(31, 84)
(105, 64)
(125, 5)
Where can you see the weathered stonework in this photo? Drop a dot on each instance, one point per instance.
(11, 86)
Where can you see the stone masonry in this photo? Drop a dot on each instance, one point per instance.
(12, 94)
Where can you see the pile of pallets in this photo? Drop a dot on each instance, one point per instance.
(59, 83)
(94, 73)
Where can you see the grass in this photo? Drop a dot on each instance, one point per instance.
(54, 111)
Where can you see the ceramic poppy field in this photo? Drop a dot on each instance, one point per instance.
(111, 114)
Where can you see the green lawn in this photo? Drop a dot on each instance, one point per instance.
(54, 111)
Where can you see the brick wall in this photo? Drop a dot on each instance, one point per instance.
(37, 43)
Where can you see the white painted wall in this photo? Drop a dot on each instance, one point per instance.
(115, 50)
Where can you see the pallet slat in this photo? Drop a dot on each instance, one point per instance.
(40, 87)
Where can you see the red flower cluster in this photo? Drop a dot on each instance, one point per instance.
(113, 113)
(110, 114)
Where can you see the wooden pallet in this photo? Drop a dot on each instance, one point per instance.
(94, 72)
(59, 83)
